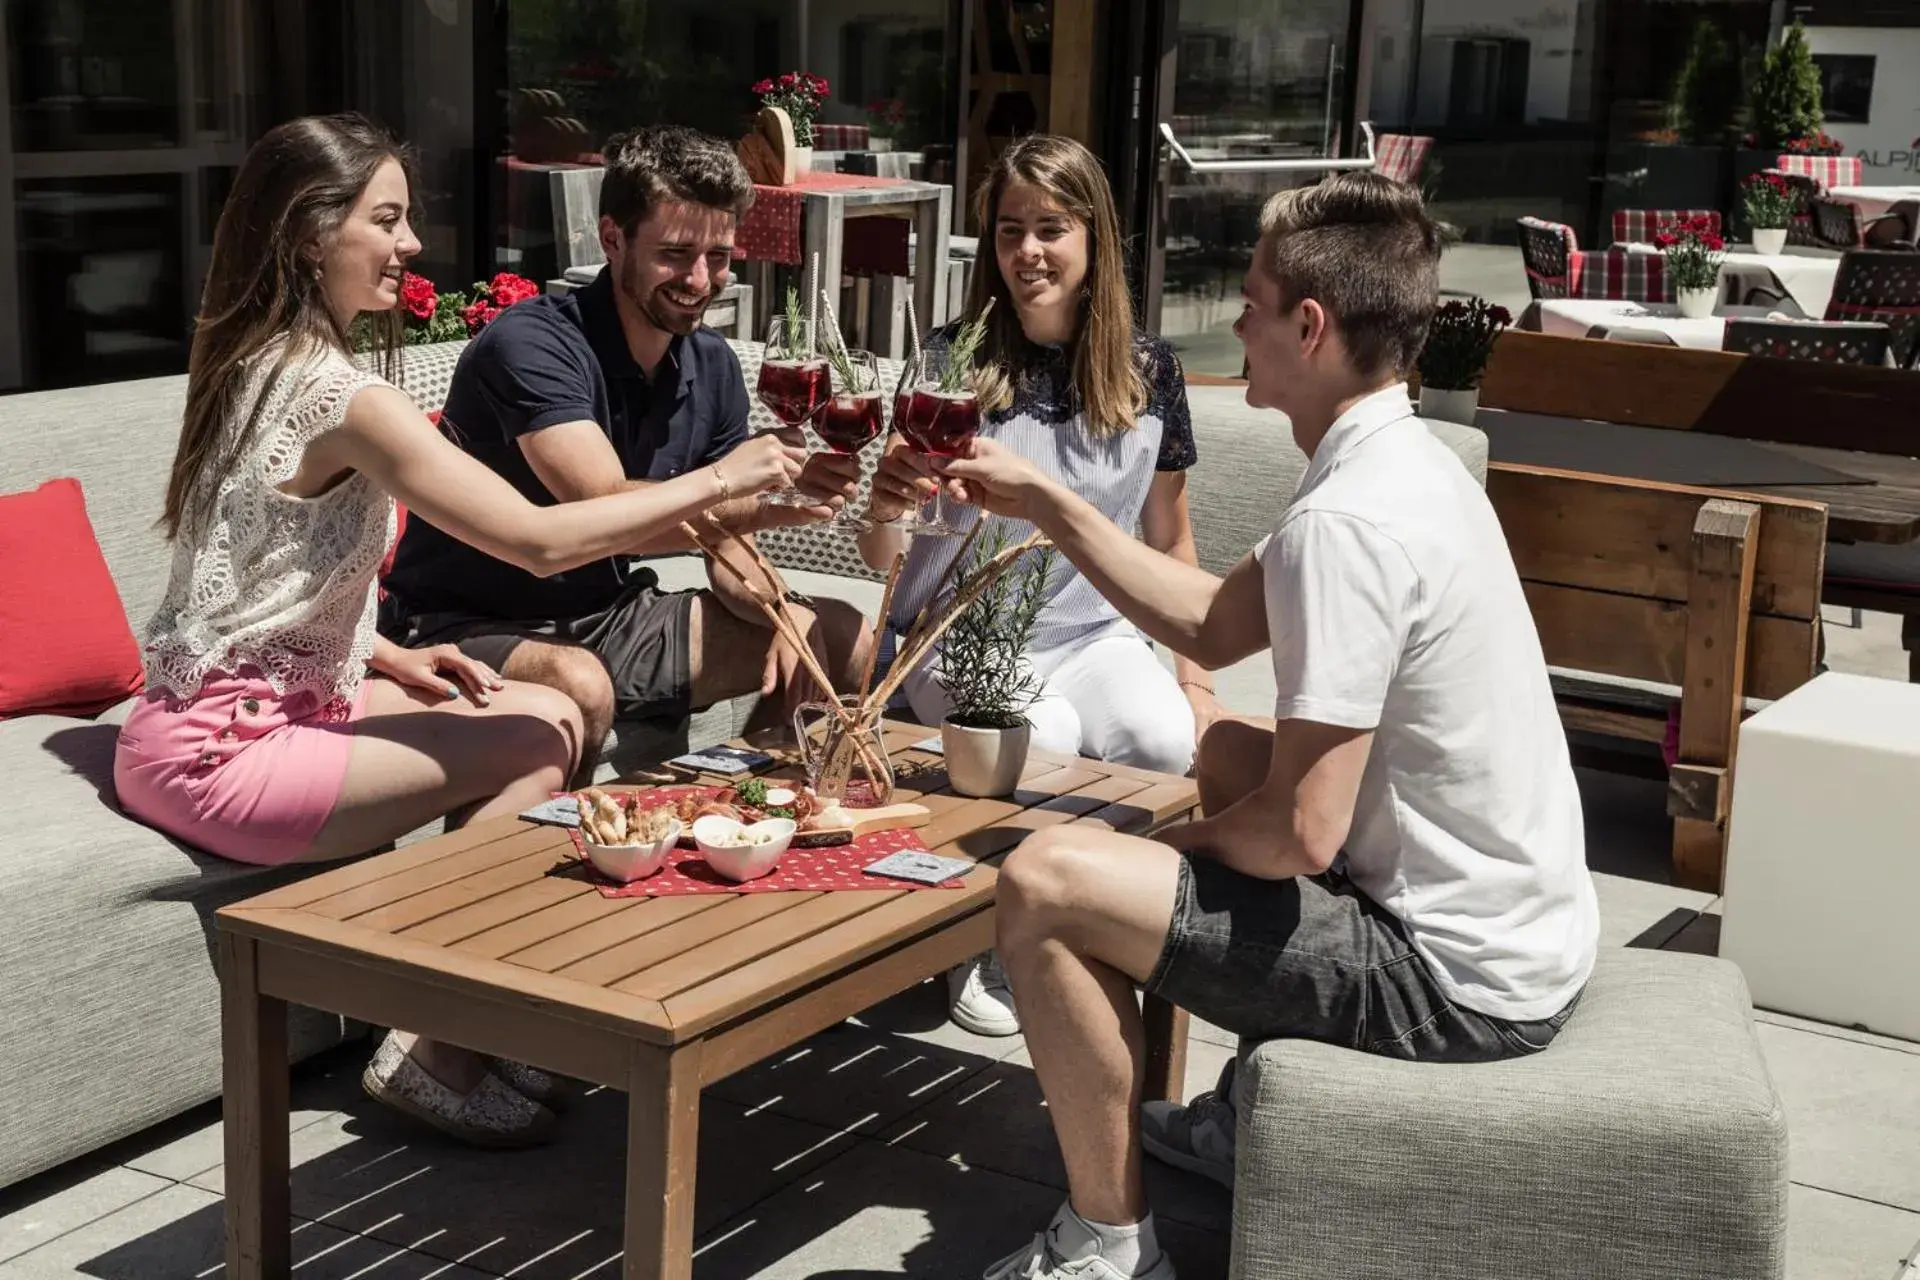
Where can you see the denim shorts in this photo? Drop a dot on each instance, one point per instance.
(1314, 958)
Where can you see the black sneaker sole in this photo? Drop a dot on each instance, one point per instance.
(1186, 1160)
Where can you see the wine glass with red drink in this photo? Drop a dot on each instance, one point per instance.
(854, 416)
(795, 386)
(939, 415)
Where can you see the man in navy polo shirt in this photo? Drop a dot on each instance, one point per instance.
(617, 385)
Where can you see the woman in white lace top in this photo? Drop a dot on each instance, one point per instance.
(278, 726)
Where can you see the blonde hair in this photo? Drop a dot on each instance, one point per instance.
(1106, 375)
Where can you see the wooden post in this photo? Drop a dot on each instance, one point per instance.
(254, 1115)
(1726, 538)
(1166, 1074)
(1070, 93)
(663, 1137)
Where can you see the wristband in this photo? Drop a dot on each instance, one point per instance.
(726, 486)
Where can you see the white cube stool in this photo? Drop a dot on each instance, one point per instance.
(1823, 854)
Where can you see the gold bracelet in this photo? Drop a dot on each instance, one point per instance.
(726, 486)
(1204, 688)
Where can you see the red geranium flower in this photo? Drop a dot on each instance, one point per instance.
(789, 80)
(478, 315)
(508, 288)
(765, 86)
(417, 296)
(1500, 315)
(819, 84)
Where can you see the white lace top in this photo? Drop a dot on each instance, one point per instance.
(264, 579)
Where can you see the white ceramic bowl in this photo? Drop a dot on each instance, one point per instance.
(742, 862)
(629, 862)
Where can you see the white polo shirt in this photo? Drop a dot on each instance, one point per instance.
(1394, 605)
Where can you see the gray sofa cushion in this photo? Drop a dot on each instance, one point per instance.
(111, 1002)
(1646, 1141)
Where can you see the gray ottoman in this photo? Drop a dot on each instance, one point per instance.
(1646, 1143)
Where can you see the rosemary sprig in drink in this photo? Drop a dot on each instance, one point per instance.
(796, 322)
(966, 344)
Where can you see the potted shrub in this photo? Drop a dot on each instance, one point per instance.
(984, 670)
(799, 94)
(1785, 102)
(1692, 248)
(1769, 203)
(885, 118)
(1459, 344)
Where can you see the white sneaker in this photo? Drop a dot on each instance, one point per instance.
(979, 999)
(1197, 1137)
(1042, 1259)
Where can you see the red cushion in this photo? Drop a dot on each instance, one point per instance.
(65, 646)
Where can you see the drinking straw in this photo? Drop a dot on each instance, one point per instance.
(813, 300)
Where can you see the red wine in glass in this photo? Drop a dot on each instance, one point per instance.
(794, 391)
(943, 424)
(849, 423)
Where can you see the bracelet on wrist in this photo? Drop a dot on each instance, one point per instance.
(1195, 684)
(726, 486)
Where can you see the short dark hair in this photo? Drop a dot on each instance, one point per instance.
(1364, 248)
(670, 162)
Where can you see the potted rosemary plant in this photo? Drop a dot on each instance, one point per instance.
(984, 670)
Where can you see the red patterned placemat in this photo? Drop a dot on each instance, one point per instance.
(835, 868)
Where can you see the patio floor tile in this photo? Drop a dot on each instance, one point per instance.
(1831, 1237)
(1641, 913)
(853, 1077)
(883, 1211)
(1837, 1032)
(1853, 1114)
(180, 1232)
(319, 1090)
(72, 1207)
(920, 1013)
(548, 1212)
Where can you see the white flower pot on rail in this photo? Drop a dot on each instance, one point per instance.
(879, 145)
(1444, 405)
(984, 762)
(1769, 239)
(1696, 304)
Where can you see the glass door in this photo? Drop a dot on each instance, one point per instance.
(1251, 98)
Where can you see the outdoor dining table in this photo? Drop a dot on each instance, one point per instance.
(1803, 273)
(1876, 200)
(1870, 497)
(1593, 317)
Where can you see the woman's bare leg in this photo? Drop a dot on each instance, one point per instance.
(416, 758)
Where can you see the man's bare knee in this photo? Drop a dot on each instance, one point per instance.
(575, 671)
(1036, 881)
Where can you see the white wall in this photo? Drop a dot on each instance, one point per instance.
(1889, 143)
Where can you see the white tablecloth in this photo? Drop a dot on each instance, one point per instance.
(1808, 280)
(1873, 200)
(1576, 317)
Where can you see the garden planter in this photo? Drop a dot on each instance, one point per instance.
(984, 762)
(1696, 304)
(1769, 239)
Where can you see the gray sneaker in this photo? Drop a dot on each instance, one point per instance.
(1197, 1137)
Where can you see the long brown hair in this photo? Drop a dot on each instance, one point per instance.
(294, 189)
(1106, 374)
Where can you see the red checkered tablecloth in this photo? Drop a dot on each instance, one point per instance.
(771, 230)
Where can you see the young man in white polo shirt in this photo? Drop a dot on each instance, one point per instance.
(1397, 865)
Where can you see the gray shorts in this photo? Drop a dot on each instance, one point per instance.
(1314, 958)
(643, 639)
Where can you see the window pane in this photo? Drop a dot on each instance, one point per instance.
(92, 75)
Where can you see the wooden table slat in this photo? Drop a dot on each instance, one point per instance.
(464, 862)
(467, 891)
(501, 909)
(538, 926)
(303, 893)
(642, 918)
(703, 918)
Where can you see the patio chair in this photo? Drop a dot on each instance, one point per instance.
(1877, 286)
(1401, 156)
(1826, 171)
(1829, 341)
(1557, 267)
(1637, 226)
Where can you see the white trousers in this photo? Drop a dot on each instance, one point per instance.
(1109, 700)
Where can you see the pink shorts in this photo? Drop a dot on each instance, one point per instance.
(236, 770)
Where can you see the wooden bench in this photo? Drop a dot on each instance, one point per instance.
(1715, 594)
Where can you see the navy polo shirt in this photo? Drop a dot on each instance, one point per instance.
(541, 363)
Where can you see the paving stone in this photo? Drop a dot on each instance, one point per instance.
(552, 1211)
(920, 1013)
(853, 1077)
(880, 1211)
(1854, 1034)
(1643, 913)
(1853, 1114)
(316, 1095)
(1833, 1237)
(72, 1207)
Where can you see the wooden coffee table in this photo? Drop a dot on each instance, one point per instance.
(470, 939)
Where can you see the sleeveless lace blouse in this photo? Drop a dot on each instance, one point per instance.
(264, 579)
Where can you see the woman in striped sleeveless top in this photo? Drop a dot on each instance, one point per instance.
(1101, 407)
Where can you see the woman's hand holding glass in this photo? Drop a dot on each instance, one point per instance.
(902, 481)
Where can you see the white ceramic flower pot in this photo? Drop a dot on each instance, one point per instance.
(802, 162)
(1445, 405)
(984, 762)
(1769, 239)
(1696, 304)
